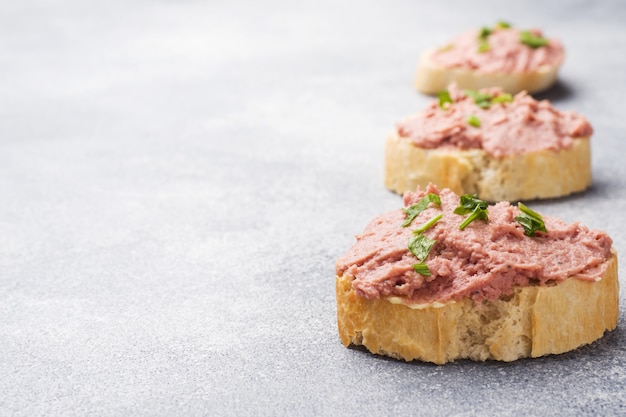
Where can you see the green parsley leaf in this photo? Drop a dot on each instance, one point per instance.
(484, 32)
(415, 209)
(502, 98)
(430, 223)
(422, 269)
(527, 210)
(482, 100)
(473, 120)
(470, 203)
(444, 98)
(528, 38)
(420, 246)
(483, 46)
(477, 214)
(530, 220)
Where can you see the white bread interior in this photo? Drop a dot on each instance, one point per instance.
(432, 78)
(535, 175)
(533, 321)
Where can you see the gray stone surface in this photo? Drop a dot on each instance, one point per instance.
(179, 177)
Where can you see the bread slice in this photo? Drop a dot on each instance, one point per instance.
(432, 78)
(534, 175)
(532, 322)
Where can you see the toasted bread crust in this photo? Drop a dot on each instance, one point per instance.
(533, 321)
(535, 175)
(431, 78)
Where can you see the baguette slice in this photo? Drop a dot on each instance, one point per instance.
(431, 78)
(534, 321)
(499, 56)
(534, 175)
(499, 146)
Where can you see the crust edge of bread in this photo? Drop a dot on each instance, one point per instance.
(431, 78)
(535, 175)
(534, 321)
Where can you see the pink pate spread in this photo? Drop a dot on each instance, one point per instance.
(521, 126)
(506, 54)
(486, 260)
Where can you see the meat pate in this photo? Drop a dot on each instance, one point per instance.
(519, 125)
(486, 260)
(505, 52)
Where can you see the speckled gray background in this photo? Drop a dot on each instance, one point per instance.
(177, 179)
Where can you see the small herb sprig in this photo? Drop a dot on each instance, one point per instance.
(415, 209)
(444, 99)
(475, 207)
(483, 42)
(485, 100)
(420, 245)
(422, 269)
(473, 120)
(483, 36)
(482, 100)
(530, 220)
(430, 223)
(528, 38)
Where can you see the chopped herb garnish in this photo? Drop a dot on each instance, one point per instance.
(473, 120)
(483, 44)
(422, 269)
(484, 32)
(430, 223)
(502, 98)
(470, 203)
(477, 214)
(528, 38)
(444, 98)
(482, 100)
(420, 246)
(415, 209)
(485, 100)
(530, 220)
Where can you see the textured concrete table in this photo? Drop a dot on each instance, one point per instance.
(179, 177)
